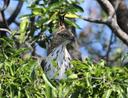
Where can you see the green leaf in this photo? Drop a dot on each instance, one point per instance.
(71, 15)
(37, 11)
(71, 23)
(23, 27)
(87, 79)
(53, 17)
(73, 76)
(78, 8)
(47, 82)
(107, 93)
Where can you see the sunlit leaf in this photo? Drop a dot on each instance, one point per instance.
(71, 15)
(107, 93)
(23, 28)
(73, 76)
(47, 81)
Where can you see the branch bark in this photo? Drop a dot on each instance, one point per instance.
(15, 13)
(111, 21)
(122, 14)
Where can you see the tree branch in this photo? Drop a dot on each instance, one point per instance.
(111, 21)
(3, 24)
(16, 12)
(89, 19)
(6, 30)
(6, 3)
(109, 48)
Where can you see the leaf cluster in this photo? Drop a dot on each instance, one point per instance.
(18, 78)
(24, 78)
(89, 80)
(50, 14)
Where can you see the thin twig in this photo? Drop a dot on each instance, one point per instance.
(6, 30)
(89, 19)
(109, 48)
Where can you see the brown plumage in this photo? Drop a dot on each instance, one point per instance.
(58, 59)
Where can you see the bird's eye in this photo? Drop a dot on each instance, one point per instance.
(63, 35)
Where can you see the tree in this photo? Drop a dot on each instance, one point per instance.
(115, 10)
(37, 28)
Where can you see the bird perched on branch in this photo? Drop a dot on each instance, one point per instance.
(58, 59)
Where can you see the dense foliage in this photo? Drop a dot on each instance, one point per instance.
(99, 81)
(19, 77)
(22, 78)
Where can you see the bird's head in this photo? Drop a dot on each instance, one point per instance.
(62, 37)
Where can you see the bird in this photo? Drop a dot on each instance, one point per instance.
(58, 60)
